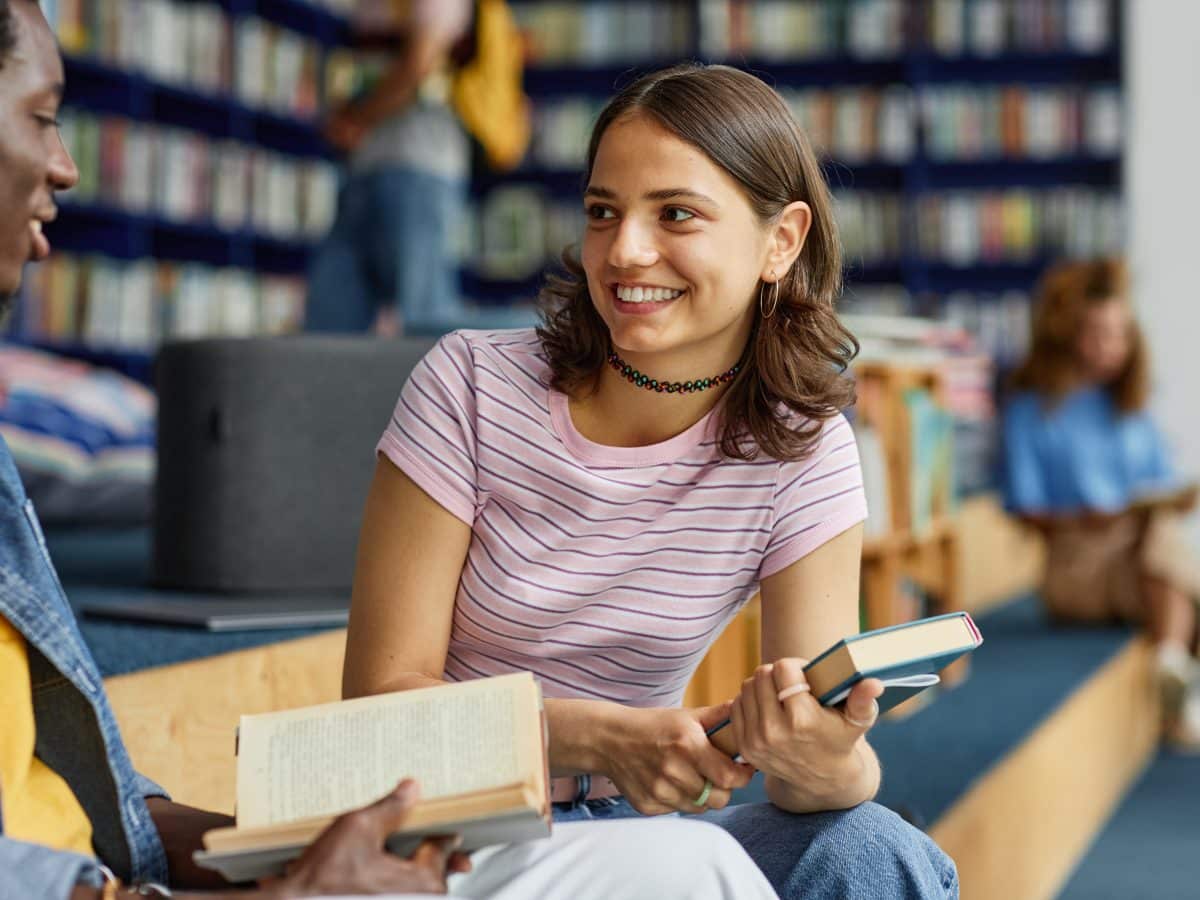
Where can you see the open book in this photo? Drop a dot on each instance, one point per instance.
(477, 750)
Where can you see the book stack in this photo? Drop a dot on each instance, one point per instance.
(183, 176)
(134, 306)
(995, 323)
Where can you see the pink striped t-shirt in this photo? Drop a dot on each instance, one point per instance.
(605, 571)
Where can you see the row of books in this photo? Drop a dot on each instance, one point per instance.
(980, 227)
(184, 176)
(134, 306)
(598, 33)
(991, 227)
(776, 30)
(856, 124)
(515, 229)
(198, 46)
(871, 226)
(989, 27)
(779, 30)
(971, 122)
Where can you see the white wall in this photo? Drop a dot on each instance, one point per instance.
(1162, 183)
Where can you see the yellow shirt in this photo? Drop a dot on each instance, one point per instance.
(37, 805)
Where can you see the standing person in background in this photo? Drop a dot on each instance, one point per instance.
(388, 262)
(1082, 455)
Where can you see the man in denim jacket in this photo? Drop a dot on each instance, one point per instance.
(55, 721)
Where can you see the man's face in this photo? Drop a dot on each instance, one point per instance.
(33, 161)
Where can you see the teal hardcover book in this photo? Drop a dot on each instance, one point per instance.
(906, 657)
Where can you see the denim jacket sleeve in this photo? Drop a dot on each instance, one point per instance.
(34, 872)
(148, 788)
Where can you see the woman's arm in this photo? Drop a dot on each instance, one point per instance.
(811, 757)
(411, 553)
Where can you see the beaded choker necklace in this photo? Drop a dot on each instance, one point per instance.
(633, 376)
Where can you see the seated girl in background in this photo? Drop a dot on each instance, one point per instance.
(1084, 464)
(594, 500)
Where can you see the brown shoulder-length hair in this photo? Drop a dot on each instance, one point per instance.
(1063, 298)
(795, 361)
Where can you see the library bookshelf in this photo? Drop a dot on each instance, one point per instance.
(932, 119)
(968, 144)
(196, 129)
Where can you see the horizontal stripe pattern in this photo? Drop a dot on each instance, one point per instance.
(607, 572)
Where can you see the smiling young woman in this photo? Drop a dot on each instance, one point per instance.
(701, 183)
(595, 500)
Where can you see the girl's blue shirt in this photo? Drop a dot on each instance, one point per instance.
(1080, 454)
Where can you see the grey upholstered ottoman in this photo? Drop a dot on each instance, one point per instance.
(265, 456)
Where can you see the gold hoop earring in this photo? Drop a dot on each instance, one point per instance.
(762, 308)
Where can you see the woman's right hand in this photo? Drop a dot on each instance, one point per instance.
(350, 858)
(660, 759)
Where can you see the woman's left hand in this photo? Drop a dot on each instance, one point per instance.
(811, 747)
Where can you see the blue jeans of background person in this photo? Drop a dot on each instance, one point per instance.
(392, 243)
(864, 853)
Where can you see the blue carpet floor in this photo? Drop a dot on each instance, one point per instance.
(1151, 846)
(104, 565)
